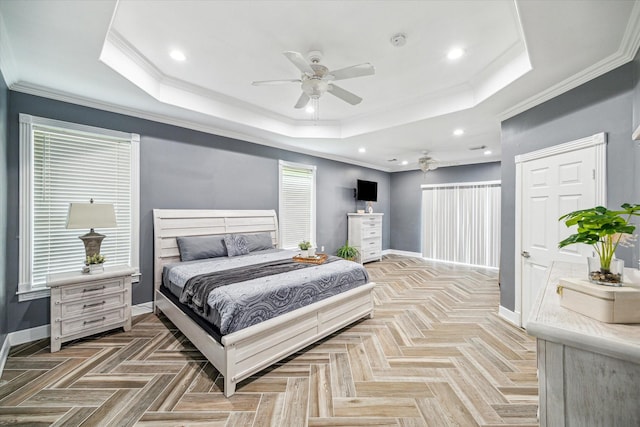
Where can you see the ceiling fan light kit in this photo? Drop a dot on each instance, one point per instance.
(316, 80)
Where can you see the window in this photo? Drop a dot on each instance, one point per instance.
(461, 223)
(62, 163)
(297, 205)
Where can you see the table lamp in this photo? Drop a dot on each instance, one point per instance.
(91, 215)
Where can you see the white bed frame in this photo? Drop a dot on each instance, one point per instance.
(249, 350)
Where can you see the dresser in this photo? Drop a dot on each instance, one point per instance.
(85, 304)
(365, 233)
(588, 370)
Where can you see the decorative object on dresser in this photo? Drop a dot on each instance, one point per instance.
(605, 230)
(606, 304)
(304, 248)
(83, 305)
(365, 234)
(91, 215)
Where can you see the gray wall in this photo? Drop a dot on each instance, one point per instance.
(601, 105)
(406, 198)
(3, 209)
(636, 125)
(182, 168)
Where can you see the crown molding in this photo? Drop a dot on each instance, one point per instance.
(629, 46)
(167, 119)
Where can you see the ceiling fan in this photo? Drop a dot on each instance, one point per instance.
(316, 79)
(428, 163)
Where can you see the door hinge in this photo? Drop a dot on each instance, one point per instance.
(593, 174)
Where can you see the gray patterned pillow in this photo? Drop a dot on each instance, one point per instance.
(236, 244)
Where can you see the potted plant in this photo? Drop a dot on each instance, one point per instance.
(348, 252)
(605, 230)
(94, 263)
(304, 247)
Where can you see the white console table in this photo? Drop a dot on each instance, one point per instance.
(589, 371)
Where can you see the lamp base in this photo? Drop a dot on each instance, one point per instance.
(92, 242)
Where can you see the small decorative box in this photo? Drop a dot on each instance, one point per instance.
(604, 303)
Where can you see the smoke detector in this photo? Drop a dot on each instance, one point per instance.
(398, 40)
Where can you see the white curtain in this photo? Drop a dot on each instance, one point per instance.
(461, 223)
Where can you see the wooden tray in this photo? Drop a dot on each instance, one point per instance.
(318, 259)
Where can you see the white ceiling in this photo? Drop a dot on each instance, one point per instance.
(115, 56)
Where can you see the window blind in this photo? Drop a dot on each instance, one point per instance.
(461, 223)
(297, 204)
(68, 167)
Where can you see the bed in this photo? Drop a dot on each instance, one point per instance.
(244, 352)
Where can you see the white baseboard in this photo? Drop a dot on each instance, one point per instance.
(402, 253)
(510, 316)
(28, 335)
(144, 308)
(4, 353)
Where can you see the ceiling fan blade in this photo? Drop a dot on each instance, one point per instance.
(274, 82)
(345, 95)
(298, 60)
(302, 101)
(359, 70)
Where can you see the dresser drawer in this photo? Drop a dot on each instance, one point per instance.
(373, 221)
(89, 290)
(371, 232)
(370, 254)
(371, 244)
(84, 324)
(88, 306)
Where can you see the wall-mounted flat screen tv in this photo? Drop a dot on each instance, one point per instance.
(367, 191)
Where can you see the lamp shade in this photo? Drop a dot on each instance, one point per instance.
(91, 215)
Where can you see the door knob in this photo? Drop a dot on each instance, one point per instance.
(525, 254)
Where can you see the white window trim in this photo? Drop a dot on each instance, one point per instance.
(25, 291)
(312, 168)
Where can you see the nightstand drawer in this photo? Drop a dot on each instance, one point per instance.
(89, 290)
(88, 306)
(85, 324)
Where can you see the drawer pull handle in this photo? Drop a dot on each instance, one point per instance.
(94, 289)
(373, 232)
(94, 304)
(86, 322)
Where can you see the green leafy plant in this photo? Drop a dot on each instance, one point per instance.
(348, 252)
(94, 259)
(603, 229)
(304, 245)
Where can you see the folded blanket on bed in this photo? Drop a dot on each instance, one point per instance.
(197, 289)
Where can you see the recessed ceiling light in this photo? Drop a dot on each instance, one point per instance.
(177, 55)
(487, 152)
(455, 53)
(458, 132)
(362, 150)
(309, 108)
(404, 162)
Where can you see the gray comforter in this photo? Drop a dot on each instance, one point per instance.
(233, 299)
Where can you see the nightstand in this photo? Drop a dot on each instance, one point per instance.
(85, 304)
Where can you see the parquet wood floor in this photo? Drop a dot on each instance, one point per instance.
(435, 354)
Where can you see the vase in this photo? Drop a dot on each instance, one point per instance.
(96, 268)
(613, 277)
(304, 253)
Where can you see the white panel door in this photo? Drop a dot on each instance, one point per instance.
(551, 187)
